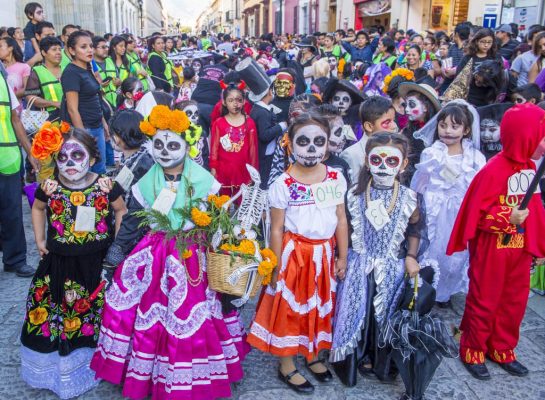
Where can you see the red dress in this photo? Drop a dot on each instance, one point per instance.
(231, 148)
(499, 274)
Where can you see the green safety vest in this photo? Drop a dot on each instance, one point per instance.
(112, 71)
(135, 60)
(65, 60)
(50, 86)
(168, 67)
(10, 155)
(389, 61)
(206, 43)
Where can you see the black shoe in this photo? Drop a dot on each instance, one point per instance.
(365, 371)
(478, 371)
(25, 271)
(303, 388)
(320, 376)
(9, 268)
(514, 368)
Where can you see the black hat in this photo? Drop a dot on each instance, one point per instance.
(307, 42)
(334, 85)
(255, 78)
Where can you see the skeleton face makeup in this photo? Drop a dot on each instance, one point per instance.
(73, 161)
(415, 109)
(192, 113)
(169, 149)
(309, 145)
(283, 85)
(385, 162)
(490, 131)
(342, 100)
(337, 139)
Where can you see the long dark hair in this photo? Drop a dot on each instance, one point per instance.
(537, 50)
(493, 78)
(73, 38)
(125, 124)
(473, 46)
(152, 41)
(111, 51)
(127, 86)
(376, 140)
(16, 50)
(459, 114)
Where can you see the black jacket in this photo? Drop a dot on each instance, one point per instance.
(268, 130)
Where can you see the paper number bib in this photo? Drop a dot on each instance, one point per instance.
(328, 194)
(376, 214)
(85, 219)
(519, 183)
(124, 178)
(164, 202)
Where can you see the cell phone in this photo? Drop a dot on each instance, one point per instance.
(107, 79)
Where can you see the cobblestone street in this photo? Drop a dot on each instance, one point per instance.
(451, 381)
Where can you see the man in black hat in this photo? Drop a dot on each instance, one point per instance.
(507, 44)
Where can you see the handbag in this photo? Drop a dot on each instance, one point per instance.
(419, 293)
(33, 120)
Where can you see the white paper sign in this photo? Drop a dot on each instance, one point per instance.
(328, 193)
(124, 178)
(377, 215)
(519, 183)
(85, 219)
(448, 173)
(226, 142)
(164, 202)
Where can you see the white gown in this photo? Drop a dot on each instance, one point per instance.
(443, 181)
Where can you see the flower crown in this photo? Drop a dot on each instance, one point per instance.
(403, 72)
(48, 140)
(164, 119)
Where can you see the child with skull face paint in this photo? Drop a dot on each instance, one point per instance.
(387, 222)
(300, 300)
(347, 98)
(65, 298)
(442, 176)
(490, 119)
(191, 109)
(174, 327)
(233, 143)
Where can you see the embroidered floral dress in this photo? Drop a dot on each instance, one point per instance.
(64, 304)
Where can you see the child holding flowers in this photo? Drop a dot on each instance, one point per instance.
(163, 332)
(295, 313)
(65, 299)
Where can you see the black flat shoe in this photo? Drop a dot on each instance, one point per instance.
(478, 371)
(320, 376)
(303, 388)
(514, 368)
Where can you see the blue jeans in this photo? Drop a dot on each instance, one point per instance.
(98, 134)
(110, 159)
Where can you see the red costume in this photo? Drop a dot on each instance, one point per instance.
(499, 275)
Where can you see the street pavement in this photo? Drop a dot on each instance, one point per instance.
(451, 380)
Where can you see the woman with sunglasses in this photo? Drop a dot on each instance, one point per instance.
(481, 47)
(136, 62)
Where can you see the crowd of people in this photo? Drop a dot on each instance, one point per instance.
(425, 141)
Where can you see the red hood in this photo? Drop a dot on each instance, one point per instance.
(522, 128)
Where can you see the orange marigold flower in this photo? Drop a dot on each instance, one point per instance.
(212, 198)
(246, 247)
(268, 255)
(265, 268)
(147, 128)
(38, 151)
(179, 122)
(187, 254)
(221, 200)
(64, 127)
(200, 218)
(267, 279)
(160, 117)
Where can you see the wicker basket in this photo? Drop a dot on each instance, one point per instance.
(220, 267)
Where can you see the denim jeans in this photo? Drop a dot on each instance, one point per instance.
(98, 134)
(110, 159)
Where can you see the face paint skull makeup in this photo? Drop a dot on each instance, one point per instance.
(342, 101)
(283, 85)
(169, 149)
(192, 113)
(490, 131)
(385, 162)
(73, 161)
(414, 108)
(337, 139)
(309, 145)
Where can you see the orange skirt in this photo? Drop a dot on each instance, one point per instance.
(296, 318)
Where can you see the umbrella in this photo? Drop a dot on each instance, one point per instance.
(419, 340)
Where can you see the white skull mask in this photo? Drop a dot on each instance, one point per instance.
(169, 149)
(337, 139)
(192, 113)
(385, 163)
(490, 131)
(309, 145)
(414, 108)
(73, 161)
(342, 101)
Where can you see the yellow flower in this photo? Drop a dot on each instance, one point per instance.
(265, 268)
(37, 316)
(200, 218)
(178, 121)
(218, 201)
(187, 254)
(77, 233)
(227, 247)
(77, 198)
(268, 255)
(212, 198)
(147, 128)
(246, 247)
(160, 117)
(267, 279)
(71, 324)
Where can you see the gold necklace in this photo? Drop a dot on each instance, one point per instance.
(394, 196)
(171, 184)
(194, 282)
